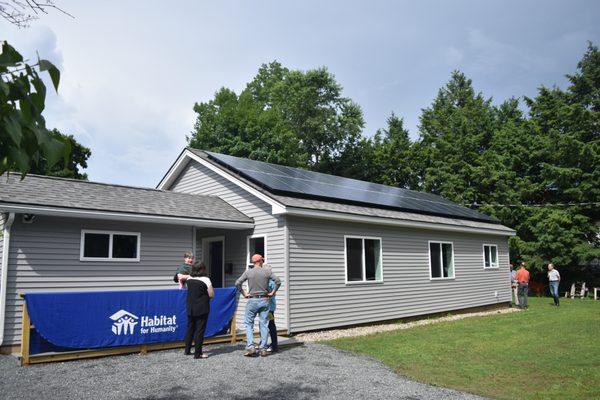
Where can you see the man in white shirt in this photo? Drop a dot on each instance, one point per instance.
(554, 280)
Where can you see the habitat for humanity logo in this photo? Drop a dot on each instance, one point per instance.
(124, 322)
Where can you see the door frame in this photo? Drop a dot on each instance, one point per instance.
(206, 254)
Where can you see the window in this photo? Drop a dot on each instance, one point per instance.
(490, 256)
(363, 259)
(109, 246)
(441, 260)
(257, 244)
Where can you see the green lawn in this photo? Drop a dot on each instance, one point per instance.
(543, 353)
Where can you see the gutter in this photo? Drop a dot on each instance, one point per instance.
(5, 250)
(124, 216)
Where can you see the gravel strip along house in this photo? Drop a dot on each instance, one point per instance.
(348, 252)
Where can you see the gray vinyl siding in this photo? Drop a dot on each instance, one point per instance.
(197, 179)
(44, 256)
(320, 298)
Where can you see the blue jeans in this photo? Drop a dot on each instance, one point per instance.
(554, 291)
(256, 307)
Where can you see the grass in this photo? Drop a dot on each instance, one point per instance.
(542, 353)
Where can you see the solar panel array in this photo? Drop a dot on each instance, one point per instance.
(301, 183)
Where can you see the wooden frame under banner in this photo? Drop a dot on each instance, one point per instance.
(27, 359)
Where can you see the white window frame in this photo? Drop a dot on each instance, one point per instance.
(110, 246)
(248, 255)
(442, 278)
(364, 264)
(497, 257)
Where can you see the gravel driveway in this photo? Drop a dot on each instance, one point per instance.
(303, 372)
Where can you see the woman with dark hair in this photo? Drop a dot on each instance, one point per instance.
(199, 293)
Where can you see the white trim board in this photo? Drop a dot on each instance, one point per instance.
(6, 230)
(117, 216)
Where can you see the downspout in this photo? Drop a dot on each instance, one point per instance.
(286, 251)
(4, 277)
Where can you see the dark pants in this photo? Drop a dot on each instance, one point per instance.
(195, 330)
(273, 332)
(523, 292)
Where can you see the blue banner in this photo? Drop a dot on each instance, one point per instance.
(87, 320)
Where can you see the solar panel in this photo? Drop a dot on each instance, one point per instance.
(301, 183)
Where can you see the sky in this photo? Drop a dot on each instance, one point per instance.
(132, 71)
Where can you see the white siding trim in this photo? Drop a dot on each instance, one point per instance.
(449, 278)
(332, 215)
(117, 216)
(110, 258)
(4, 278)
(364, 261)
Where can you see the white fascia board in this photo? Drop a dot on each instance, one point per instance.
(174, 170)
(332, 215)
(276, 207)
(130, 217)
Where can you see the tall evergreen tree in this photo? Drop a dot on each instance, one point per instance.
(454, 132)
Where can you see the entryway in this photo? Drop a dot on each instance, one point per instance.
(213, 250)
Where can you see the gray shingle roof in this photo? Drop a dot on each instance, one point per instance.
(36, 190)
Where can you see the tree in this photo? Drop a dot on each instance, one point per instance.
(22, 12)
(538, 173)
(454, 132)
(386, 158)
(72, 168)
(296, 118)
(563, 175)
(24, 139)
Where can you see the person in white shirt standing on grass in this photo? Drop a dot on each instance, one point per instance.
(554, 278)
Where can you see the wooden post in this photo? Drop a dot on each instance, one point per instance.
(25, 333)
(233, 329)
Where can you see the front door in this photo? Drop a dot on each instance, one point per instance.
(214, 257)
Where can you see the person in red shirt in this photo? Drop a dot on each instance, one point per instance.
(522, 279)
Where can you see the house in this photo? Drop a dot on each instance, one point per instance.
(348, 251)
